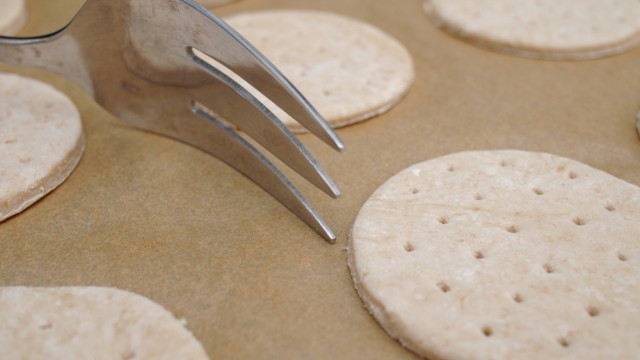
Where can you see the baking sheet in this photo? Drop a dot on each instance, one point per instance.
(153, 216)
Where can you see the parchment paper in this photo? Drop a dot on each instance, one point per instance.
(150, 215)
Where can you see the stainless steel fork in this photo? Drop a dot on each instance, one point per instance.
(140, 60)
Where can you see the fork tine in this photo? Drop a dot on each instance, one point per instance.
(230, 49)
(233, 149)
(236, 105)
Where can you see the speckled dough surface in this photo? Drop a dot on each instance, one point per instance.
(12, 17)
(347, 69)
(89, 323)
(567, 29)
(503, 255)
(41, 141)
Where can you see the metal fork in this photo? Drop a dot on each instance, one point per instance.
(140, 60)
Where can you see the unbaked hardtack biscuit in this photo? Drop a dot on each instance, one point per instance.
(41, 141)
(13, 15)
(567, 29)
(503, 255)
(347, 69)
(89, 323)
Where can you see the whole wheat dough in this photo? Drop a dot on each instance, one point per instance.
(41, 141)
(89, 323)
(347, 69)
(565, 29)
(503, 255)
(13, 16)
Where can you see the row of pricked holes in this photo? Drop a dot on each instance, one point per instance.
(408, 247)
(537, 191)
(572, 174)
(513, 229)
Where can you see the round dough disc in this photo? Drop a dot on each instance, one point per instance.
(503, 255)
(567, 29)
(347, 69)
(12, 17)
(41, 141)
(90, 323)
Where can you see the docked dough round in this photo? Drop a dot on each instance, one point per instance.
(89, 323)
(502, 255)
(567, 29)
(12, 17)
(41, 141)
(347, 69)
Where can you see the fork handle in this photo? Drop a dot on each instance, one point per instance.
(58, 54)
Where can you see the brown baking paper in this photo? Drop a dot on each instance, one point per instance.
(157, 217)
